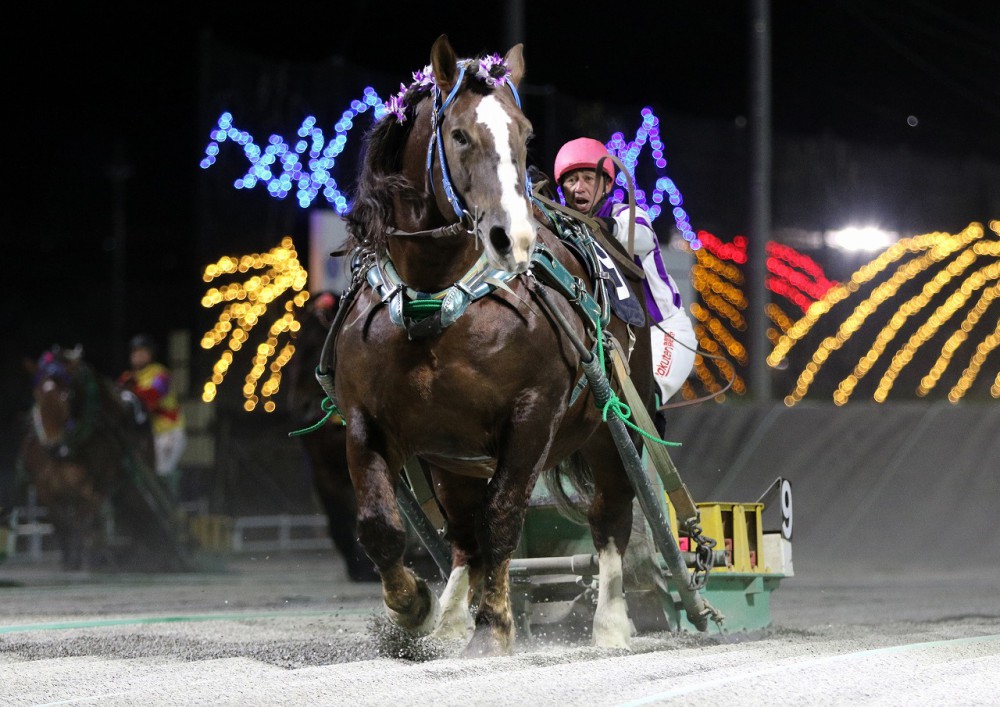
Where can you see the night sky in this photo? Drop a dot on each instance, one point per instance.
(89, 90)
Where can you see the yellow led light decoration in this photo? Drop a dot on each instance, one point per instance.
(719, 312)
(957, 282)
(277, 276)
(971, 372)
(778, 316)
(941, 245)
(899, 319)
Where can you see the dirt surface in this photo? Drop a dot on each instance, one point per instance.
(293, 630)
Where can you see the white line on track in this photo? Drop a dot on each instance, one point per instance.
(785, 667)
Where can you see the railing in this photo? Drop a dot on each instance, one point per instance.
(27, 523)
(29, 536)
(279, 533)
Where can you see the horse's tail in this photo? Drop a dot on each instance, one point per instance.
(571, 505)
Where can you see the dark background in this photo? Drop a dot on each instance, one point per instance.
(112, 108)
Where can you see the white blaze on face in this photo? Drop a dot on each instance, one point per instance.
(490, 113)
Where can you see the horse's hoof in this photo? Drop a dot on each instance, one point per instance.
(616, 641)
(421, 616)
(486, 644)
(612, 630)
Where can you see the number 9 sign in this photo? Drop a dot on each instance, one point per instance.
(785, 495)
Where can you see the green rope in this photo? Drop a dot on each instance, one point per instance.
(421, 308)
(329, 407)
(620, 409)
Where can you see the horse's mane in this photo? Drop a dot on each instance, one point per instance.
(380, 180)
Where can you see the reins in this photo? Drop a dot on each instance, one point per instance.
(595, 228)
(630, 185)
(466, 226)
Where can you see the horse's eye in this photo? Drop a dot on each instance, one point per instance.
(460, 137)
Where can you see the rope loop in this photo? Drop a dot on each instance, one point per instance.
(330, 408)
(620, 409)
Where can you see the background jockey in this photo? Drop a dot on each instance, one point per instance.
(673, 338)
(151, 383)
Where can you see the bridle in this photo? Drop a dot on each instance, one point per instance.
(468, 222)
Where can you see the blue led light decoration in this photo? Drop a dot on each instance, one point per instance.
(307, 165)
(664, 187)
(280, 166)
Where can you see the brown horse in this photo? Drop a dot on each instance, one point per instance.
(86, 455)
(484, 388)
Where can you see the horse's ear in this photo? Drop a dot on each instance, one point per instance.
(444, 63)
(515, 62)
(30, 365)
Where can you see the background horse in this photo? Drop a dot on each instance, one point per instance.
(325, 448)
(87, 456)
(485, 391)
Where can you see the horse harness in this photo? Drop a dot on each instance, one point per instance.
(424, 315)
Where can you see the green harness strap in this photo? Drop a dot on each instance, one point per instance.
(545, 264)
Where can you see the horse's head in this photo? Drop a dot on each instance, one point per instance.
(483, 136)
(54, 393)
(451, 148)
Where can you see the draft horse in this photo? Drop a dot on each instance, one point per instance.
(86, 455)
(451, 352)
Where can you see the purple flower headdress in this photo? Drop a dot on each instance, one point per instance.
(423, 78)
(493, 70)
(397, 105)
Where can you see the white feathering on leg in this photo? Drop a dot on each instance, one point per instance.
(611, 625)
(455, 620)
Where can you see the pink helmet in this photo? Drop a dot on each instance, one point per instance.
(582, 153)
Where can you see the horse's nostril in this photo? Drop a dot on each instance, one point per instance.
(499, 239)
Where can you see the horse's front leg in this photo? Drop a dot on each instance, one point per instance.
(498, 530)
(610, 519)
(462, 499)
(409, 602)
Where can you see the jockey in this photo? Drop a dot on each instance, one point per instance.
(151, 383)
(673, 338)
